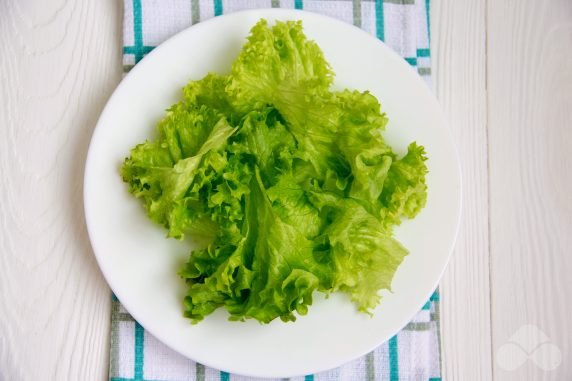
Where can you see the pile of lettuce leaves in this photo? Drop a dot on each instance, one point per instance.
(291, 183)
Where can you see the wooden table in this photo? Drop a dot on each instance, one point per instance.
(503, 74)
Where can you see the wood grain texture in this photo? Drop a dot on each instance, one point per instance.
(530, 136)
(60, 62)
(459, 62)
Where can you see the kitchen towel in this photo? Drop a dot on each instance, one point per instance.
(414, 353)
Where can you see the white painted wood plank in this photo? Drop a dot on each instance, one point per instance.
(60, 61)
(459, 62)
(530, 137)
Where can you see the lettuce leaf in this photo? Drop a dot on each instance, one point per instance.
(290, 184)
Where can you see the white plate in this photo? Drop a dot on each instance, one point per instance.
(140, 264)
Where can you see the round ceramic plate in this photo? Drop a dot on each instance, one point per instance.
(141, 265)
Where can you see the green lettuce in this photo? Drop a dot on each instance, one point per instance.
(290, 184)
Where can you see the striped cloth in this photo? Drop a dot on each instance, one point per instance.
(414, 353)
